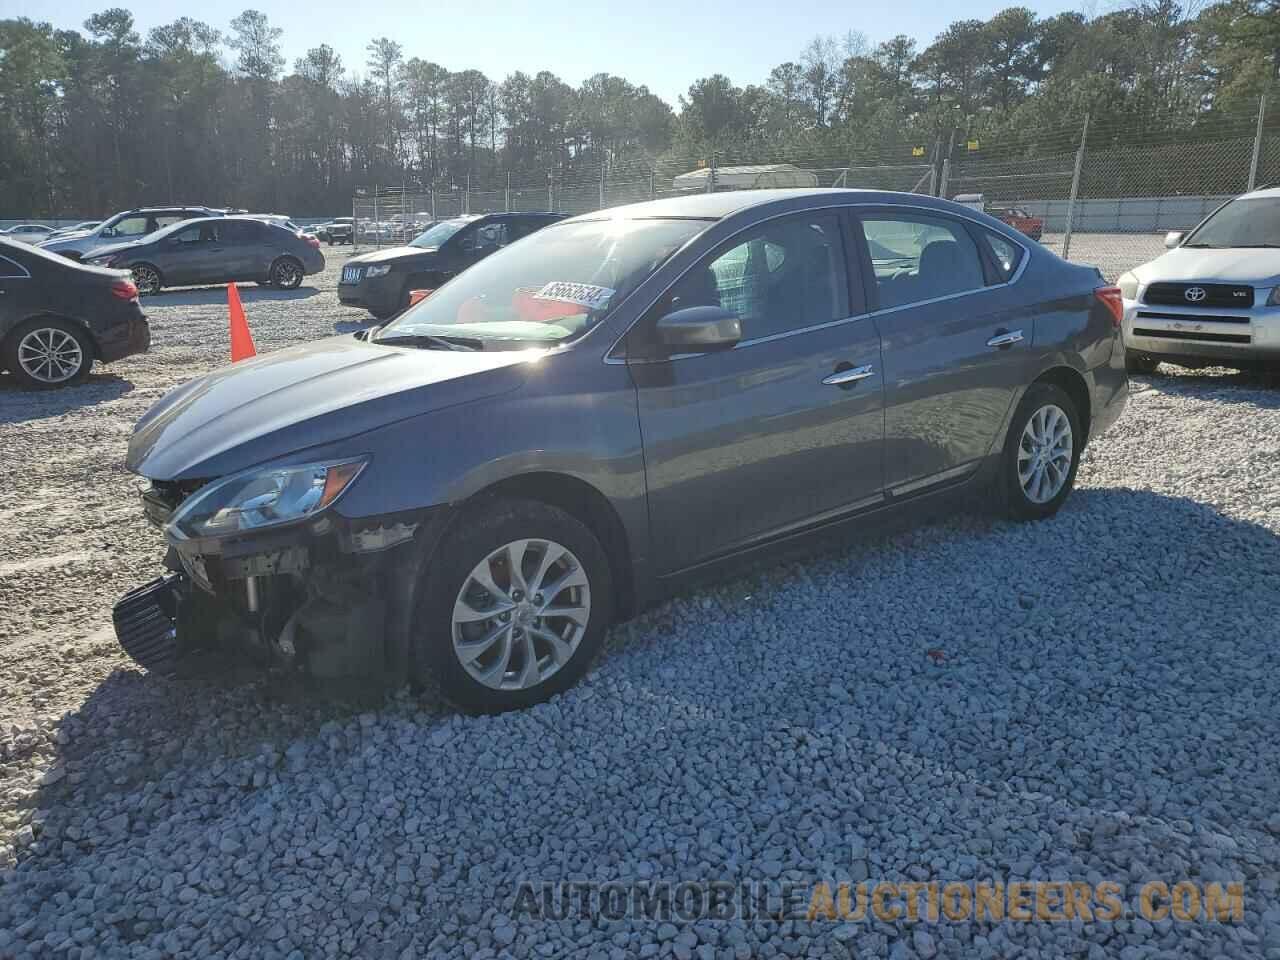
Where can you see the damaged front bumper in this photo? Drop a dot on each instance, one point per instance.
(328, 594)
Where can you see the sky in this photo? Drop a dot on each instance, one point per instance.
(663, 44)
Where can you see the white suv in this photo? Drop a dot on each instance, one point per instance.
(1214, 298)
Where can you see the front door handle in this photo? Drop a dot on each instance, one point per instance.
(1005, 339)
(849, 375)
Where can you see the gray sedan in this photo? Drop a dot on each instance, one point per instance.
(216, 250)
(601, 414)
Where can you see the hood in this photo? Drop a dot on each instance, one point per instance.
(110, 249)
(70, 235)
(294, 399)
(394, 253)
(1260, 268)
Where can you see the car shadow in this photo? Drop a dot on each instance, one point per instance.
(17, 404)
(1258, 387)
(910, 655)
(209, 296)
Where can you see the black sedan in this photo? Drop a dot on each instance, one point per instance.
(58, 316)
(380, 281)
(216, 250)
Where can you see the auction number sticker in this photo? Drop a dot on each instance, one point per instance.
(583, 294)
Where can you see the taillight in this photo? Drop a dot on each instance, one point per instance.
(311, 241)
(1113, 299)
(125, 290)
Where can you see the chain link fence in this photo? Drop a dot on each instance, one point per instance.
(1097, 192)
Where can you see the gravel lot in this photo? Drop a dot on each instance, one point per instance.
(1092, 698)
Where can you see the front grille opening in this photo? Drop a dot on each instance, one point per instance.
(1184, 335)
(1191, 317)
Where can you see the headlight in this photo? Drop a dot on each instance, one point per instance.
(100, 262)
(1128, 285)
(378, 270)
(1274, 299)
(264, 498)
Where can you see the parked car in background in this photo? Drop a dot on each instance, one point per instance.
(281, 220)
(339, 230)
(57, 317)
(1020, 220)
(1214, 298)
(597, 417)
(28, 232)
(216, 250)
(83, 226)
(380, 281)
(126, 226)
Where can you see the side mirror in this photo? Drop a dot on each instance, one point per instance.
(1172, 239)
(699, 330)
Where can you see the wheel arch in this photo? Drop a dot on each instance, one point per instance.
(1073, 383)
(588, 506)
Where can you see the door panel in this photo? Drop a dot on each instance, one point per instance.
(746, 443)
(179, 256)
(947, 389)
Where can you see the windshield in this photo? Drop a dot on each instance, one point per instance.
(436, 235)
(1241, 223)
(549, 289)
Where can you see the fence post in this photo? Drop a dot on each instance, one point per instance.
(711, 174)
(377, 234)
(601, 207)
(946, 177)
(466, 197)
(1075, 190)
(551, 200)
(433, 201)
(1257, 142)
(508, 203)
(652, 188)
(355, 226)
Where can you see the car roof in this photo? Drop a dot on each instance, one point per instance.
(717, 206)
(1268, 192)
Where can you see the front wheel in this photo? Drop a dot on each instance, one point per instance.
(147, 279)
(514, 608)
(1041, 453)
(47, 353)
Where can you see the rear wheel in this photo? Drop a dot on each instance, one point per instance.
(286, 273)
(147, 279)
(1041, 453)
(514, 608)
(1140, 362)
(46, 353)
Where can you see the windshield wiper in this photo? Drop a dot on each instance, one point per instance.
(1199, 246)
(1257, 246)
(429, 342)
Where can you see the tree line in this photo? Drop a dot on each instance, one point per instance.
(95, 120)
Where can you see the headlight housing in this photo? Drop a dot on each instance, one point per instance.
(1274, 299)
(1128, 284)
(100, 261)
(378, 270)
(264, 497)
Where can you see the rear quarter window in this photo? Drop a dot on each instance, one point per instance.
(1006, 254)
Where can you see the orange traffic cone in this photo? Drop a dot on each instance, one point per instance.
(241, 339)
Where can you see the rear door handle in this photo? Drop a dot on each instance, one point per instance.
(1005, 339)
(850, 375)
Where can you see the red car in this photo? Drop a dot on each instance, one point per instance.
(1020, 220)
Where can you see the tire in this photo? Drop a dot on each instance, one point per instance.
(285, 274)
(1140, 363)
(1032, 500)
(482, 538)
(147, 279)
(47, 353)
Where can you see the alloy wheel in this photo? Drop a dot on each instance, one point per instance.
(146, 279)
(287, 274)
(1044, 454)
(521, 614)
(50, 355)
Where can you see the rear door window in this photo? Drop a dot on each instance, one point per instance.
(239, 232)
(918, 257)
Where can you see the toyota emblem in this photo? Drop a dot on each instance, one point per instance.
(1195, 294)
